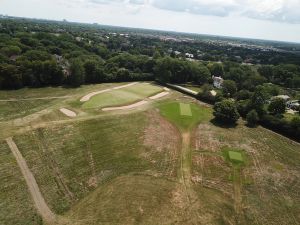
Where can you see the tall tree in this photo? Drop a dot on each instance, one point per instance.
(77, 75)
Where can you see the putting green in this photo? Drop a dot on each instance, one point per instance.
(185, 109)
(235, 156)
(123, 96)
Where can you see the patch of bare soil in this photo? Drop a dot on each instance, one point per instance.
(68, 112)
(161, 137)
(205, 139)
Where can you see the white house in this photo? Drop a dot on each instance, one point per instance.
(189, 55)
(284, 97)
(218, 81)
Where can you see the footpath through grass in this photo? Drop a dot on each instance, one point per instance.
(16, 205)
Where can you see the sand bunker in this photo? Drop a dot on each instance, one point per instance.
(88, 96)
(160, 95)
(126, 107)
(68, 112)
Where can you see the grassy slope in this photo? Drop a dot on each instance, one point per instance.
(71, 156)
(268, 181)
(122, 96)
(16, 206)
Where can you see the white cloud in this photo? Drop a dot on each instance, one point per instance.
(276, 10)
(145, 14)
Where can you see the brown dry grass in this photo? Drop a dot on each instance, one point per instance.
(161, 137)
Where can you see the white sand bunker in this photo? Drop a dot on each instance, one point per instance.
(68, 112)
(126, 107)
(88, 96)
(160, 95)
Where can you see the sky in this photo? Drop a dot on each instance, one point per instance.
(262, 19)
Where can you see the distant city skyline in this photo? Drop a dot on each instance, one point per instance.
(259, 19)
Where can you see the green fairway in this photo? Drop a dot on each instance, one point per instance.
(123, 96)
(194, 114)
(185, 109)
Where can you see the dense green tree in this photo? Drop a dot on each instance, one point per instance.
(252, 118)
(226, 112)
(200, 73)
(11, 50)
(229, 88)
(77, 75)
(277, 106)
(10, 77)
(259, 99)
(216, 69)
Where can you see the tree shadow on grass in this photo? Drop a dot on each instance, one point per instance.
(223, 124)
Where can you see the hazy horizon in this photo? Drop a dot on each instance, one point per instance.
(277, 20)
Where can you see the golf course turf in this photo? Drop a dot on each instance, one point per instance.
(123, 96)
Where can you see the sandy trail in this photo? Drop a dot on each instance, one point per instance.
(126, 107)
(90, 95)
(42, 207)
(68, 112)
(185, 163)
(160, 95)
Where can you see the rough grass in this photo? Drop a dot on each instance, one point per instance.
(269, 178)
(131, 199)
(122, 96)
(16, 206)
(70, 161)
(171, 110)
(12, 110)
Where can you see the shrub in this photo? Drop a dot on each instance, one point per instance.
(226, 112)
(252, 118)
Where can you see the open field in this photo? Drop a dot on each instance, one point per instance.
(166, 163)
(123, 96)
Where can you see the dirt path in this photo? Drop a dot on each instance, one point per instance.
(88, 96)
(42, 207)
(185, 164)
(68, 112)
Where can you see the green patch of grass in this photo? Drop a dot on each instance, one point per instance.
(16, 206)
(171, 110)
(235, 156)
(123, 96)
(185, 109)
